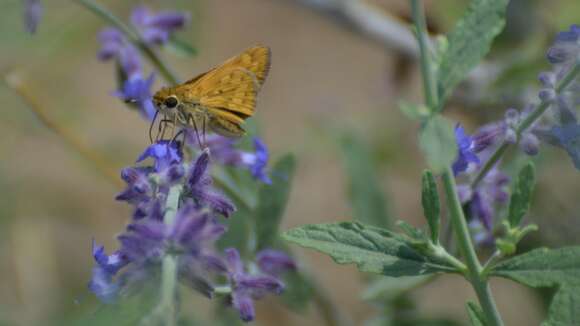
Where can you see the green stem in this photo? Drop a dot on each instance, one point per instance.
(525, 124)
(429, 84)
(474, 272)
(168, 306)
(459, 224)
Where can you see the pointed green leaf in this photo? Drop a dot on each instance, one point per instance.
(437, 140)
(430, 201)
(476, 315)
(372, 249)
(469, 41)
(366, 197)
(272, 201)
(557, 268)
(522, 195)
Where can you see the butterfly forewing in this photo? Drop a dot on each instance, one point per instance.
(226, 95)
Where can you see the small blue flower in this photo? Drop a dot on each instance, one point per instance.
(102, 284)
(164, 152)
(110, 263)
(112, 41)
(482, 201)
(32, 14)
(199, 187)
(565, 51)
(156, 28)
(247, 287)
(465, 151)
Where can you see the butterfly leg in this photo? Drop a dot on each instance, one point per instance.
(151, 126)
(191, 121)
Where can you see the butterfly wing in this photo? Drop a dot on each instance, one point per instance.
(228, 92)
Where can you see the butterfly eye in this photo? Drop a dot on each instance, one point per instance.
(171, 102)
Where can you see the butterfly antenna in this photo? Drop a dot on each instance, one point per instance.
(151, 126)
(203, 132)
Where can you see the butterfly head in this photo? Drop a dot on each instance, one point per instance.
(166, 102)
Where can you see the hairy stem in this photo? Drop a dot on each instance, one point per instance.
(525, 124)
(168, 305)
(69, 138)
(429, 81)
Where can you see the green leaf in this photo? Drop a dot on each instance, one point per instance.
(272, 201)
(522, 195)
(557, 268)
(437, 140)
(367, 200)
(476, 315)
(372, 249)
(430, 201)
(181, 48)
(414, 111)
(469, 41)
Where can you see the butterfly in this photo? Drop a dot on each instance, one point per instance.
(219, 100)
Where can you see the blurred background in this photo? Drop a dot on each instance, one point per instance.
(335, 69)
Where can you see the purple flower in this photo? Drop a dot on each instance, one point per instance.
(565, 135)
(112, 41)
(483, 201)
(138, 91)
(164, 152)
(110, 263)
(156, 28)
(138, 186)
(465, 151)
(102, 284)
(199, 187)
(565, 50)
(32, 15)
(274, 262)
(246, 287)
(223, 151)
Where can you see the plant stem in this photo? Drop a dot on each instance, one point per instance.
(525, 124)
(458, 222)
(100, 163)
(474, 273)
(167, 306)
(429, 83)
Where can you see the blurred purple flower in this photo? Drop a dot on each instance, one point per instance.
(156, 28)
(138, 91)
(565, 135)
(563, 53)
(32, 14)
(247, 287)
(465, 151)
(274, 262)
(199, 187)
(482, 202)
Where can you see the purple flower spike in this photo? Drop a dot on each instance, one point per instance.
(164, 152)
(465, 151)
(247, 287)
(274, 262)
(32, 15)
(200, 188)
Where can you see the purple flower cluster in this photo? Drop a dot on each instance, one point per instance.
(190, 238)
(153, 29)
(32, 14)
(559, 127)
